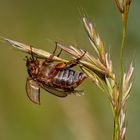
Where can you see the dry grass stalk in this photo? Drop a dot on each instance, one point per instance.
(27, 48)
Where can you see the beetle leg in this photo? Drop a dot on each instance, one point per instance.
(31, 52)
(74, 62)
(52, 55)
(50, 58)
(69, 64)
(56, 48)
(59, 53)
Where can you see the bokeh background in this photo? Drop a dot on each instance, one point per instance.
(40, 23)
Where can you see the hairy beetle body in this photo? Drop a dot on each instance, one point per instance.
(56, 78)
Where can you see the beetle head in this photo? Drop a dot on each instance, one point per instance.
(32, 66)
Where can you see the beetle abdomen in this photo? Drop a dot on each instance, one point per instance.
(68, 79)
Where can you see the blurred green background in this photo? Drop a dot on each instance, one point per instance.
(74, 118)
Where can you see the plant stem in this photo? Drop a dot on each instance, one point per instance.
(116, 135)
(116, 126)
(117, 110)
(124, 21)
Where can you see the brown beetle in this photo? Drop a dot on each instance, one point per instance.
(56, 78)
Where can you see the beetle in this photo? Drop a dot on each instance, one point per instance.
(56, 78)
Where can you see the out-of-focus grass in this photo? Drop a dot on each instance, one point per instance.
(73, 118)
